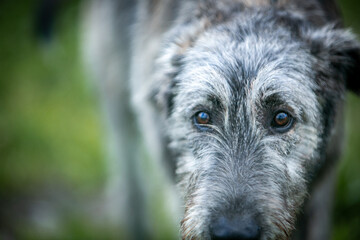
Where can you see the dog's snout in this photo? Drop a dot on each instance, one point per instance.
(238, 227)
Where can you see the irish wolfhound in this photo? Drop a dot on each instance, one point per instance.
(242, 99)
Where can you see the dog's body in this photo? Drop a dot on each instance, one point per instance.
(241, 99)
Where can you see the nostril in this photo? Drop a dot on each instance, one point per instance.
(238, 227)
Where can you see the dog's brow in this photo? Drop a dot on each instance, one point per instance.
(282, 94)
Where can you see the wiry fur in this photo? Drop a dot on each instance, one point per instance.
(241, 61)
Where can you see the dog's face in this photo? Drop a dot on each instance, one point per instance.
(253, 103)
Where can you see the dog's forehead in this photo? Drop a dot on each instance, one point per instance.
(254, 65)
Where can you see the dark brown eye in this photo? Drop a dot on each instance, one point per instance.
(282, 122)
(281, 119)
(200, 119)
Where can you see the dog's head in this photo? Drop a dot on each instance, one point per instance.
(251, 103)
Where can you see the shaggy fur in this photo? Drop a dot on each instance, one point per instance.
(161, 62)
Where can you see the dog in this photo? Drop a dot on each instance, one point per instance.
(239, 102)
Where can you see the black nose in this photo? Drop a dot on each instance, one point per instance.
(238, 227)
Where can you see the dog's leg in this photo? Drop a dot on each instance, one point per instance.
(121, 51)
(153, 18)
(107, 51)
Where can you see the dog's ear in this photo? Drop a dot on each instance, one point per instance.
(163, 90)
(341, 51)
(170, 62)
(168, 66)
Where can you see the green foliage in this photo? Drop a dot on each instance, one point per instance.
(49, 122)
(50, 131)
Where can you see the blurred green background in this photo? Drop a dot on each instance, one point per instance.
(52, 168)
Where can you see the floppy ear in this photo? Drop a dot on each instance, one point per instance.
(340, 49)
(170, 63)
(163, 89)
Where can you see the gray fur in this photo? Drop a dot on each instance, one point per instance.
(241, 61)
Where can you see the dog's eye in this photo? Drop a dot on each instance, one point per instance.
(201, 119)
(282, 122)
